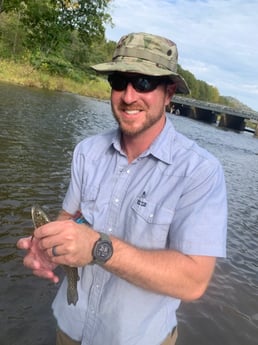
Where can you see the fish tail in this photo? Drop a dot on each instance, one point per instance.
(72, 296)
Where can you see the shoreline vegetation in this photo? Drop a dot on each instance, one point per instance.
(89, 85)
(26, 75)
(46, 44)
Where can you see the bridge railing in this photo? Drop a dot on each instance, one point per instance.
(218, 108)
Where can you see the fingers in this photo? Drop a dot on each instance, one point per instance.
(56, 234)
(60, 255)
(56, 228)
(38, 268)
(49, 229)
(48, 236)
(72, 242)
(24, 243)
(57, 250)
(54, 252)
(37, 260)
(46, 275)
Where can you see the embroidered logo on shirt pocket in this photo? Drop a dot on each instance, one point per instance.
(152, 213)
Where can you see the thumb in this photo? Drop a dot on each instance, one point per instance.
(24, 243)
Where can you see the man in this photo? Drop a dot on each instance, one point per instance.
(158, 201)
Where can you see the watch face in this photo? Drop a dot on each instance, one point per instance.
(103, 251)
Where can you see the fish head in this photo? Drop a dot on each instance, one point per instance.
(39, 217)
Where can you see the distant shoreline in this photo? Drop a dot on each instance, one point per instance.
(26, 75)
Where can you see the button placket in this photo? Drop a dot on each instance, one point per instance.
(119, 193)
(93, 305)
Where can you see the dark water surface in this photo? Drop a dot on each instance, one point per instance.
(38, 131)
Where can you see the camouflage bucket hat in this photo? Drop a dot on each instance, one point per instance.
(146, 54)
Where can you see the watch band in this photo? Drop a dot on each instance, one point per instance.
(104, 237)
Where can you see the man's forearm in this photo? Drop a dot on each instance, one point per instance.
(166, 272)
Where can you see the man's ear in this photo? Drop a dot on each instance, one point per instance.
(171, 89)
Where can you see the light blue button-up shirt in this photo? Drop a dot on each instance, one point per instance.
(172, 196)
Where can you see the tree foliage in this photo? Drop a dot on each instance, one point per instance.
(66, 36)
(84, 16)
(199, 88)
(49, 24)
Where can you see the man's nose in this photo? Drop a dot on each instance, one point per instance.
(129, 94)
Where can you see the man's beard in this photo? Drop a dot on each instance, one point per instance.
(130, 131)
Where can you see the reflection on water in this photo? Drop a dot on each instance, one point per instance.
(38, 132)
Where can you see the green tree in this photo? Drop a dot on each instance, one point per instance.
(50, 23)
(9, 5)
(190, 79)
(86, 17)
(12, 35)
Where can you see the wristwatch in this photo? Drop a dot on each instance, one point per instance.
(102, 249)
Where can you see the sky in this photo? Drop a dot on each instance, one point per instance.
(217, 40)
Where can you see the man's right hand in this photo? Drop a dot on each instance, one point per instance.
(37, 259)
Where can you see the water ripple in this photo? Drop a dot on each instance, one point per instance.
(39, 130)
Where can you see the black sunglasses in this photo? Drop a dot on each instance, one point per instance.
(140, 83)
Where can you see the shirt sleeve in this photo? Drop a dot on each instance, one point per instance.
(72, 200)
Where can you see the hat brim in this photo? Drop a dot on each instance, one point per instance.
(132, 65)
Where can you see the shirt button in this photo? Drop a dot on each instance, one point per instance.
(110, 230)
(116, 200)
(128, 171)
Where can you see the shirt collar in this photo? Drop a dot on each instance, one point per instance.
(161, 148)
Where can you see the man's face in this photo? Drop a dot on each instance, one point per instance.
(137, 111)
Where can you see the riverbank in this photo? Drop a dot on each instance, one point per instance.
(92, 86)
(27, 75)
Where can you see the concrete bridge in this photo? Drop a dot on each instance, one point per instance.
(225, 116)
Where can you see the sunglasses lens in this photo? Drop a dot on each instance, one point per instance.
(117, 82)
(144, 84)
(140, 84)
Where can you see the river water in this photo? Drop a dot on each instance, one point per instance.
(39, 129)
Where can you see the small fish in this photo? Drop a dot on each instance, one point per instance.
(40, 218)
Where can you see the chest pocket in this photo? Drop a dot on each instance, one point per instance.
(149, 224)
(88, 202)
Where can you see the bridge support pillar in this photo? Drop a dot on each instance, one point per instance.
(256, 131)
(181, 109)
(232, 122)
(204, 115)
